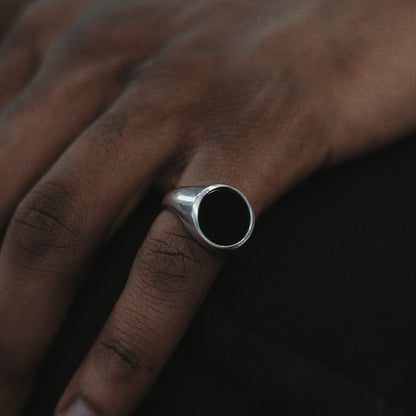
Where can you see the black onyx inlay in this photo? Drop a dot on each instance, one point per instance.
(224, 217)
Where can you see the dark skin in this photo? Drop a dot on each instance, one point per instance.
(9, 10)
(102, 100)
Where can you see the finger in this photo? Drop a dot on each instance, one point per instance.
(47, 107)
(18, 61)
(172, 273)
(73, 210)
(22, 50)
(80, 75)
(169, 279)
(9, 10)
(37, 126)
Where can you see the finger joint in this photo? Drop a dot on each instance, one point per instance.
(172, 261)
(118, 357)
(45, 221)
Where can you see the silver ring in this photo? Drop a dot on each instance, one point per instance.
(218, 217)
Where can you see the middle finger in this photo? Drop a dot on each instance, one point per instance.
(82, 69)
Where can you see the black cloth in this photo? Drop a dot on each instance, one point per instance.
(316, 316)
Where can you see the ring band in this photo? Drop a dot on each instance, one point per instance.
(218, 216)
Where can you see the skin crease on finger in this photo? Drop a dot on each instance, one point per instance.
(257, 94)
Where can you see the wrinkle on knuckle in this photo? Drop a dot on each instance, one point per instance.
(172, 261)
(117, 358)
(173, 256)
(46, 220)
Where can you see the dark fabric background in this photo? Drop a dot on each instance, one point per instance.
(316, 316)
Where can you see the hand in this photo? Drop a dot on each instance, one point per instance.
(8, 11)
(101, 100)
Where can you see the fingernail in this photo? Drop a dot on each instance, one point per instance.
(78, 408)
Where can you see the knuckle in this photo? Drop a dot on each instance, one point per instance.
(46, 220)
(118, 358)
(172, 261)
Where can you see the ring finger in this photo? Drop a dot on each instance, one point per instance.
(169, 279)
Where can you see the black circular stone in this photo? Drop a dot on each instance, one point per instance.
(224, 217)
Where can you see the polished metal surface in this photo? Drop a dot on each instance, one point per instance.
(185, 202)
